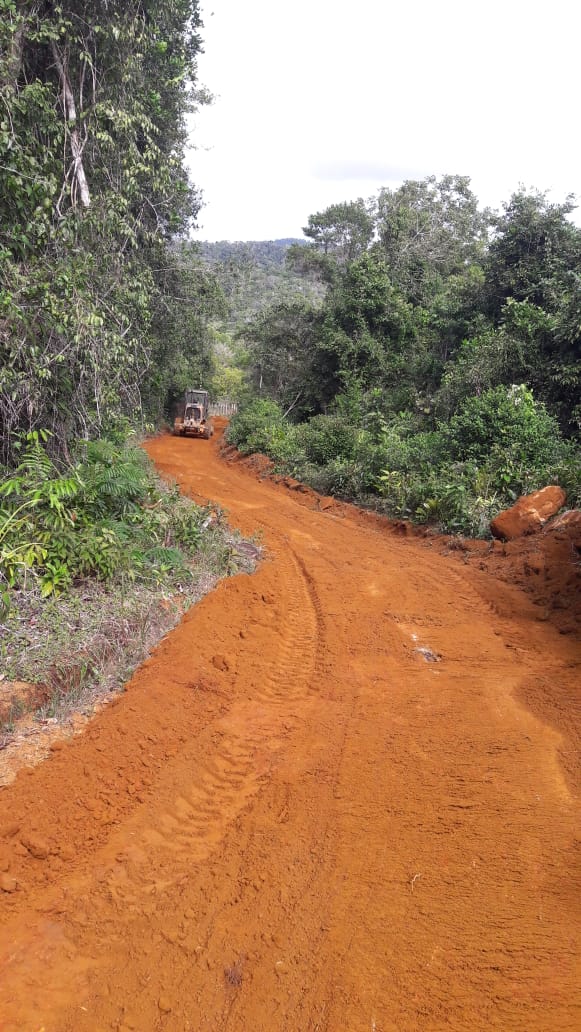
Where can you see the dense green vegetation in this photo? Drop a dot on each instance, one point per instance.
(253, 277)
(105, 516)
(105, 316)
(101, 318)
(439, 379)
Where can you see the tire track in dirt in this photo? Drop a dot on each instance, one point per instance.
(223, 786)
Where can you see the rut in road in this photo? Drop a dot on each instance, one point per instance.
(293, 820)
(222, 786)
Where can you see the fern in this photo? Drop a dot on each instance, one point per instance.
(114, 480)
(37, 464)
(164, 561)
(103, 518)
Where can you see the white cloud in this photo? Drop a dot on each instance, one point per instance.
(325, 101)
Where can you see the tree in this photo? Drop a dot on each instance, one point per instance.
(186, 300)
(534, 251)
(534, 264)
(343, 231)
(429, 230)
(92, 189)
(366, 327)
(283, 357)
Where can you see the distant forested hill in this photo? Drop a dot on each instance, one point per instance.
(265, 253)
(253, 275)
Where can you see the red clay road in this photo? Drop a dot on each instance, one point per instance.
(328, 802)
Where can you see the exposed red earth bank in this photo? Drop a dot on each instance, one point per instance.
(342, 795)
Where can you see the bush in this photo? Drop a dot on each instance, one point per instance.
(345, 478)
(105, 516)
(251, 428)
(498, 446)
(449, 497)
(325, 438)
(504, 417)
(567, 473)
(513, 473)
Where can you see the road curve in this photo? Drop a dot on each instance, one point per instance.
(322, 805)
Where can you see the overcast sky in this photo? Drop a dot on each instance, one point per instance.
(320, 101)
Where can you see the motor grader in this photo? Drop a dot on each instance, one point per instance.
(195, 419)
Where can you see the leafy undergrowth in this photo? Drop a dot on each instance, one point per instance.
(97, 562)
(454, 476)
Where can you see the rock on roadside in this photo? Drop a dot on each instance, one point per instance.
(528, 514)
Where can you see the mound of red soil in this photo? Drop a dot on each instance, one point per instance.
(546, 565)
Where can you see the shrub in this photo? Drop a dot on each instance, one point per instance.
(105, 516)
(251, 426)
(345, 478)
(450, 497)
(325, 438)
(274, 440)
(505, 417)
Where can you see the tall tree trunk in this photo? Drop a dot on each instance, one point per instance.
(70, 111)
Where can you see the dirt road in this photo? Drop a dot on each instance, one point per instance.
(331, 800)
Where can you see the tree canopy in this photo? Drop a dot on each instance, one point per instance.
(442, 369)
(93, 189)
(429, 297)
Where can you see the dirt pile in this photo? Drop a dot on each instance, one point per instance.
(547, 566)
